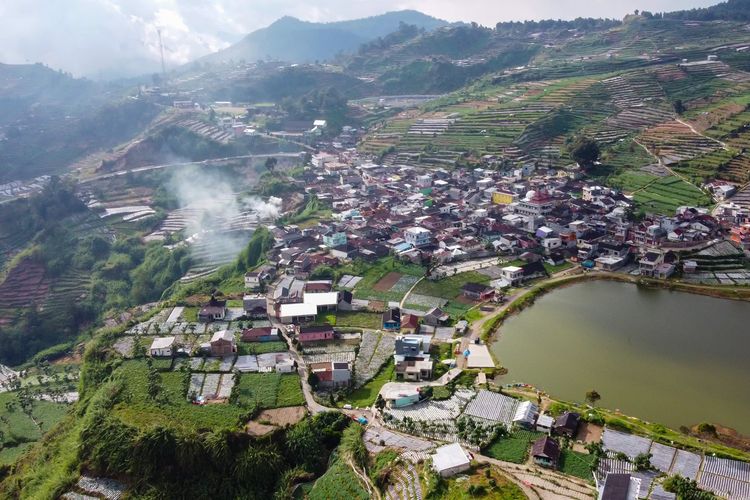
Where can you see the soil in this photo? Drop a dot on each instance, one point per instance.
(387, 282)
(270, 420)
(726, 436)
(589, 433)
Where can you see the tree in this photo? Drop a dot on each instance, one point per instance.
(686, 489)
(154, 381)
(592, 397)
(678, 106)
(642, 462)
(271, 164)
(585, 151)
(380, 402)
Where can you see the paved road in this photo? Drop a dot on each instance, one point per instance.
(208, 163)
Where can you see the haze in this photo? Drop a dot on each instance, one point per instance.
(116, 38)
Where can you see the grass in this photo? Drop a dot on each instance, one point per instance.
(450, 287)
(190, 314)
(261, 347)
(269, 390)
(19, 431)
(339, 482)
(372, 273)
(441, 392)
(359, 319)
(514, 448)
(367, 394)
(171, 409)
(576, 464)
(556, 269)
(487, 481)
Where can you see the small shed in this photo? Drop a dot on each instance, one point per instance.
(450, 460)
(223, 343)
(162, 347)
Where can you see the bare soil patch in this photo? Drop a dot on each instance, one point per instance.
(282, 416)
(589, 433)
(387, 282)
(258, 430)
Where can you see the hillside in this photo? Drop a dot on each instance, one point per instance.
(292, 40)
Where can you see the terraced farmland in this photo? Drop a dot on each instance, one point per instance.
(673, 142)
(665, 194)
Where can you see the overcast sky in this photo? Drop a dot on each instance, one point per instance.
(104, 37)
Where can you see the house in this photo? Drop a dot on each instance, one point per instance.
(545, 423)
(620, 487)
(567, 424)
(400, 397)
(653, 265)
(334, 240)
(526, 414)
(392, 319)
(255, 306)
(215, 310)
(255, 280)
(297, 313)
(280, 362)
(418, 236)
(477, 291)
(318, 286)
(263, 334)
(450, 460)
(412, 359)
(410, 323)
(332, 374)
(162, 347)
(533, 270)
(315, 333)
(223, 343)
(326, 301)
(436, 317)
(546, 452)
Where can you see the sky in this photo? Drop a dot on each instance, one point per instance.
(107, 38)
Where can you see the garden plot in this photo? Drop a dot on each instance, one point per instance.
(492, 407)
(629, 444)
(234, 312)
(426, 300)
(674, 141)
(336, 357)
(404, 283)
(196, 363)
(211, 385)
(376, 348)
(225, 386)
(247, 363)
(196, 383)
(175, 315)
(101, 487)
(124, 346)
(729, 478)
(348, 282)
(430, 410)
(686, 464)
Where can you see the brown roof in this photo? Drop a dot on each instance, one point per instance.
(546, 447)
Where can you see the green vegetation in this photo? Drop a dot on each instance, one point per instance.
(269, 390)
(577, 464)
(450, 287)
(365, 396)
(19, 429)
(483, 482)
(372, 273)
(339, 482)
(261, 347)
(514, 448)
(686, 489)
(313, 210)
(255, 251)
(358, 319)
(382, 466)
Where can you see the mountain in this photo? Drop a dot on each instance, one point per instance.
(290, 39)
(731, 10)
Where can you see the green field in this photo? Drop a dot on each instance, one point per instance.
(372, 273)
(666, 194)
(270, 390)
(261, 347)
(19, 431)
(339, 482)
(514, 448)
(359, 319)
(450, 287)
(367, 394)
(576, 464)
(171, 408)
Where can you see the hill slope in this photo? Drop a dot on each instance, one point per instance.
(290, 39)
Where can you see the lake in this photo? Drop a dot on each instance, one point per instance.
(667, 357)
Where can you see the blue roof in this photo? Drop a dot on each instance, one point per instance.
(402, 247)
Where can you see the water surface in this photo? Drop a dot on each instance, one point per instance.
(668, 357)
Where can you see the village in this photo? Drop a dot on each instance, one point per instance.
(381, 303)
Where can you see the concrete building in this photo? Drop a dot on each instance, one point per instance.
(450, 460)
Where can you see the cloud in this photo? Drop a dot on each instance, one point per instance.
(110, 38)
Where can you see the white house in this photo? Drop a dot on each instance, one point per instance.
(418, 236)
(512, 274)
(450, 460)
(162, 347)
(297, 313)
